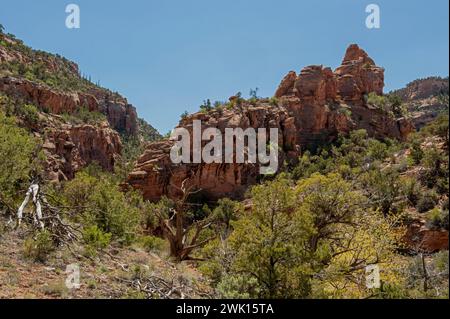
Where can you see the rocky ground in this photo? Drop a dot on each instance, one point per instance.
(115, 273)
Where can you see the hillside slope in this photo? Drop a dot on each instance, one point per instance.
(77, 121)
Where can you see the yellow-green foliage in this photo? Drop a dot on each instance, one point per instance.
(313, 239)
(101, 203)
(18, 157)
(38, 247)
(152, 243)
(95, 238)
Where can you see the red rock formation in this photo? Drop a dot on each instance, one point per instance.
(358, 75)
(69, 148)
(423, 89)
(156, 175)
(425, 99)
(121, 115)
(419, 238)
(314, 107)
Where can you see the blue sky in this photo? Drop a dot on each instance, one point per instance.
(167, 56)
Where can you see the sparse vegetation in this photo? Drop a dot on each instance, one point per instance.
(39, 246)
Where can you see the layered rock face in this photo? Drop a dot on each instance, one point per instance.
(420, 238)
(121, 115)
(68, 148)
(313, 108)
(423, 88)
(56, 87)
(78, 91)
(425, 99)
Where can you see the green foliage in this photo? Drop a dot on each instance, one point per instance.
(152, 243)
(437, 219)
(95, 239)
(150, 220)
(301, 241)
(184, 115)
(270, 243)
(146, 132)
(435, 174)
(416, 153)
(39, 247)
(206, 106)
(132, 148)
(238, 287)
(101, 203)
(253, 95)
(225, 213)
(25, 112)
(430, 284)
(438, 127)
(412, 189)
(390, 104)
(18, 157)
(273, 101)
(427, 201)
(29, 113)
(84, 116)
(385, 190)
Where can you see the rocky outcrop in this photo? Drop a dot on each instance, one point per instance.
(121, 115)
(54, 72)
(313, 108)
(420, 238)
(155, 174)
(68, 148)
(423, 89)
(47, 99)
(56, 87)
(425, 99)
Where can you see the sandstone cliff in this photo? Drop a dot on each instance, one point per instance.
(309, 109)
(55, 86)
(425, 99)
(68, 148)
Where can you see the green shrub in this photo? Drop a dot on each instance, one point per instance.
(416, 152)
(152, 243)
(18, 157)
(411, 188)
(238, 287)
(39, 247)
(437, 219)
(426, 202)
(206, 106)
(29, 113)
(273, 101)
(95, 238)
(103, 204)
(184, 115)
(84, 116)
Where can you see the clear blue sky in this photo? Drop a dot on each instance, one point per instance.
(167, 56)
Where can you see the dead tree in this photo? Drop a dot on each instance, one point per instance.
(49, 217)
(33, 191)
(183, 240)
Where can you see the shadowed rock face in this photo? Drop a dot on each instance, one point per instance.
(69, 148)
(313, 108)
